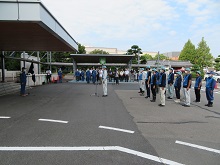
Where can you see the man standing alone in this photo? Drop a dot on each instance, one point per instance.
(104, 81)
(23, 79)
(170, 84)
(162, 85)
(187, 81)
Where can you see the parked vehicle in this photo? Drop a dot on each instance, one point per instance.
(216, 76)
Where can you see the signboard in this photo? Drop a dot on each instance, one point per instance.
(102, 60)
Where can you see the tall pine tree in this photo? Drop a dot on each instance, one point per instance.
(188, 53)
(203, 56)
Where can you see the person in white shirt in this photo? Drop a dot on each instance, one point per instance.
(104, 81)
(126, 75)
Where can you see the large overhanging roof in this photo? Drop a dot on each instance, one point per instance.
(95, 58)
(27, 25)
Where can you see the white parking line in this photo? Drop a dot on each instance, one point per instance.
(116, 129)
(98, 148)
(55, 121)
(5, 117)
(198, 146)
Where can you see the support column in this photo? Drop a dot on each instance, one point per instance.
(24, 58)
(3, 65)
(38, 65)
(50, 62)
(74, 67)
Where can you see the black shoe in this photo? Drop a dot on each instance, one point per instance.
(210, 105)
(207, 104)
(104, 95)
(146, 97)
(186, 105)
(161, 105)
(169, 98)
(152, 100)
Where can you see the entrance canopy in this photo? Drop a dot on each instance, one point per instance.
(26, 25)
(94, 59)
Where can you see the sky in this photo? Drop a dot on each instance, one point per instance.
(153, 25)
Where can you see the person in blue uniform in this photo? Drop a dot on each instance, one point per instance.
(187, 81)
(60, 74)
(82, 75)
(94, 74)
(153, 84)
(210, 85)
(197, 86)
(77, 75)
(23, 80)
(158, 77)
(177, 86)
(148, 81)
(88, 76)
(170, 82)
(162, 86)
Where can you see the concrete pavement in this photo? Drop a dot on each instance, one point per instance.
(155, 129)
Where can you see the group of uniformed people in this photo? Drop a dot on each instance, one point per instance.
(153, 80)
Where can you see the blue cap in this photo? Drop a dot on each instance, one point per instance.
(171, 68)
(141, 68)
(163, 68)
(198, 72)
(103, 66)
(154, 69)
(148, 67)
(187, 69)
(179, 72)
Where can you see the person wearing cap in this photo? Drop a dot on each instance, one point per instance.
(157, 83)
(187, 81)
(141, 80)
(48, 77)
(162, 86)
(148, 81)
(153, 83)
(104, 81)
(23, 80)
(197, 86)
(210, 85)
(94, 74)
(177, 86)
(170, 84)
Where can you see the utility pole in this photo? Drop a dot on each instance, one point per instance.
(138, 59)
(158, 59)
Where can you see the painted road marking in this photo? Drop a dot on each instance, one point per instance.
(198, 146)
(5, 117)
(116, 129)
(98, 148)
(55, 121)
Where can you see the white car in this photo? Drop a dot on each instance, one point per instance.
(216, 76)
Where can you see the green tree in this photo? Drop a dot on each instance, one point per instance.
(188, 53)
(203, 56)
(81, 49)
(217, 63)
(145, 57)
(98, 51)
(161, 57)
(134, 50)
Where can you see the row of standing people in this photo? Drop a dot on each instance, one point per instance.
(159, 81)
(96, 74)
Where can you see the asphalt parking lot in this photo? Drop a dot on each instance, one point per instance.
(67, 124)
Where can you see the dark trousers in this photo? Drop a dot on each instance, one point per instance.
(126, 78)
(116, 79)
(148, 88)
(209, 95)
(197, 93)
(88, 79)
(177, 90)
(23, 88)
(153, 90)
